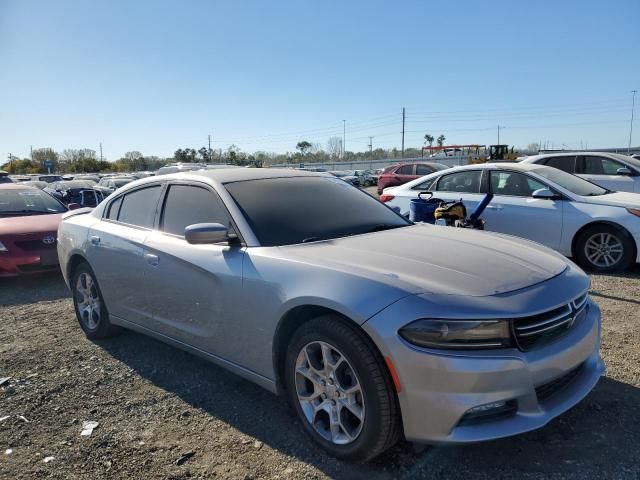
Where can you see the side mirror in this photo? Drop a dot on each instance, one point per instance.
(74, 206)
(544, 194)
(203, 233)
(624, 171)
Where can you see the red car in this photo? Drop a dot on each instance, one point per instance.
(29, 221)
(405, 172)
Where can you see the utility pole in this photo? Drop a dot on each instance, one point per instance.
(344, 137)
(11, 163)
(31, 150)
(100, 151)
(210, 159)
(402, 155)
(370, 148)
(498, 134)
(633, 106)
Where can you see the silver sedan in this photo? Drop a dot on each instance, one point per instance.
(372, 327)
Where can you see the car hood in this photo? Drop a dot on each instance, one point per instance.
(29, 224)
(615, 199)
(436, 259)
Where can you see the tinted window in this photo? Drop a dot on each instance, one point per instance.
(566, 163)
(423, 169)
(425, 186)
(405, 170)
(114, 208)
(467, 181)
(284, 211)
(600, 166)
(186, 205)
(514, 184)
(138, 207)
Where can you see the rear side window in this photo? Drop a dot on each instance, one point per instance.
(467, 181)
(405, 170)
(600, 166)
(187, 204)
(423, 169)
(564, 163)
(139, 207)
(114, 209)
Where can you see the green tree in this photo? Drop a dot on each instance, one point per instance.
(441, 140)
(303, 147)
(429, 139)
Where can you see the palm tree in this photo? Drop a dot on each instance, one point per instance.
(441, 140)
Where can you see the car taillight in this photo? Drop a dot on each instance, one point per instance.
(385, 198)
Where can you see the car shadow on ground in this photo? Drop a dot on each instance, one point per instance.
(32, 288)
(578, 444)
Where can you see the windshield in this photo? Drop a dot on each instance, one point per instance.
(28, 202)
(570, 182)
(285, 211)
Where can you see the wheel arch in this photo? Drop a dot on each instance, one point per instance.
(606, 223)
(75, 260)
(292, 320)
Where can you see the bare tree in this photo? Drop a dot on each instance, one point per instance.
(334, 146)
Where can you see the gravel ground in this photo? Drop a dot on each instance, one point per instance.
(162, 413)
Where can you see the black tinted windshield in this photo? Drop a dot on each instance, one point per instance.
(28, 202)
(285, 211)
(570, 182)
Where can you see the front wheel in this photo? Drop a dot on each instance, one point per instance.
(604, 248)
(341, 391)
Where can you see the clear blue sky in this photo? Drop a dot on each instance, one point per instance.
(156, 75)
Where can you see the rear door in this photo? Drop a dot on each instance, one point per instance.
(192, 289)
(514, 211)
(603, 171)
(116, 255)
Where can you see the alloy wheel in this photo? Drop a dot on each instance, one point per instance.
(329, 393)
(603, 249)
(88, 301)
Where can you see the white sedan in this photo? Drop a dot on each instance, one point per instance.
(599, 228)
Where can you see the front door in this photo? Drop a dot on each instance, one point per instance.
(192, 288)
(603, 171)
(514, 211)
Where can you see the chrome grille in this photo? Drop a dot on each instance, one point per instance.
(534, 331)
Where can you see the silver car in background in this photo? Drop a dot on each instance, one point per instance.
(373, 328)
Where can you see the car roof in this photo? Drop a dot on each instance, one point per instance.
(525, 167)
(240, 174)
(16, 186)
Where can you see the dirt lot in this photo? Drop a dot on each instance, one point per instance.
(156, 405)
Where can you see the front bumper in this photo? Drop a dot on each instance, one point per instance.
(12, 265)
(438, 387)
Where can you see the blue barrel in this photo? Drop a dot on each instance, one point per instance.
(423, 209)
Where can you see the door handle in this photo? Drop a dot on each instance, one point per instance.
(152, 259)
(495, 207)
(95, 240)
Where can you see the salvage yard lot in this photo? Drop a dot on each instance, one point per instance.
(156, 405)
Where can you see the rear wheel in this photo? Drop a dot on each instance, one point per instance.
(340, 389)
(89, 304)
(604, 248)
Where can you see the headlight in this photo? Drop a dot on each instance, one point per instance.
(457, 334)
(2, 247)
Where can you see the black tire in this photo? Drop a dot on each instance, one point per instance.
(101, 328)
(624, 261)
(381, 427)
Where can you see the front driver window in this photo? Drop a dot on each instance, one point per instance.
(600, 166)
(187, 205)
(514, 184)
(467, 181)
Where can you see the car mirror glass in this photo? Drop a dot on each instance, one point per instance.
(623, 171)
